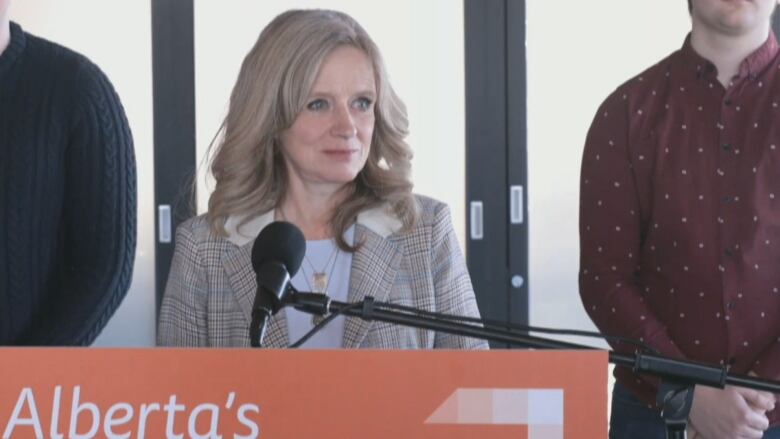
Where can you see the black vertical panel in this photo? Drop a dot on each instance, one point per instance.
(486, 141)
(517, 158)
(173, 66)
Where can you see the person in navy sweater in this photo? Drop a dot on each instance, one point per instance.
(67, 193)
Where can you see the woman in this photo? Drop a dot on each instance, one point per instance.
(314, 136)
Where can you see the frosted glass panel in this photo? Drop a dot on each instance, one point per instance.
(569, 75)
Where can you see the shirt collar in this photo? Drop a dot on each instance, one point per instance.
(381, 220)
(15, 47)
(750, 67)
(760, 58)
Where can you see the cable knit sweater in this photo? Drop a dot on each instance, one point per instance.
(67, 195)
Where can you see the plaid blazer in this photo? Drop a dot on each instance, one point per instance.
(211, 285)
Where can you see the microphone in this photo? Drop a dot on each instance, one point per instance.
(276, 256)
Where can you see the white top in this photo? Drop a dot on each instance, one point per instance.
(318, 254)
(381, 220)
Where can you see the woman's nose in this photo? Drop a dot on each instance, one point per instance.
(344, 124)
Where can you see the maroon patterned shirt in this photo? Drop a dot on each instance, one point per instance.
(680, 214)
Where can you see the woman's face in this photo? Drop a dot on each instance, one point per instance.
(329, 141)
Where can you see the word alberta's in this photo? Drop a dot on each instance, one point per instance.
(87, 419)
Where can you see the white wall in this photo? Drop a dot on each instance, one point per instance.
(422, 43)
(115, 35)
(578, 52)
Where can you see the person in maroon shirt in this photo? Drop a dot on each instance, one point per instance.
(680, 219)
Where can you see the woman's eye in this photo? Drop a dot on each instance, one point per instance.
(363, 104)
(317, 105)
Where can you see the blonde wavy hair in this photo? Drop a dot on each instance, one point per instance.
(273, 86)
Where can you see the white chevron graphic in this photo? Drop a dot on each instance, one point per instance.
(540, 409)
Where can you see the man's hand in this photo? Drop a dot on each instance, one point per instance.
(731, 413)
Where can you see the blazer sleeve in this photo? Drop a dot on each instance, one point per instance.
(183, 320)
(454, 293)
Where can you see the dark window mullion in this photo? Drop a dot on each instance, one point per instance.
(517, 158)
(486, 141)
(173, 67)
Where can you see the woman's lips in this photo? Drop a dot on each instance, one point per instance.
(340, 154)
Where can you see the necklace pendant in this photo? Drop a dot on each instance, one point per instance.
(320, 282)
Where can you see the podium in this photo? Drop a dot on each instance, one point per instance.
(244, 393)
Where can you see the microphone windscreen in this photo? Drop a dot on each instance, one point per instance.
(281, 242)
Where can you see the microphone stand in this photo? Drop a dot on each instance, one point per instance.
(678, 377)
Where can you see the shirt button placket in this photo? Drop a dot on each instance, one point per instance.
(729, 206)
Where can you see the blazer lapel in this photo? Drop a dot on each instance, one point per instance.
(237, 263)
(373, 271)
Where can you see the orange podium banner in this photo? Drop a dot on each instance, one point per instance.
(241, 393)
